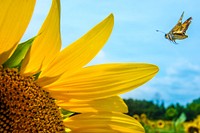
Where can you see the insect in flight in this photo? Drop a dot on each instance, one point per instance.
(178, 32)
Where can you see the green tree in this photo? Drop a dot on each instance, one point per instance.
(171, 113)
(148, 107)
(156, 111)
(193, 109)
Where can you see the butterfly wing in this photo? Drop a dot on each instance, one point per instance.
(178, 26)
(179, 30)
(185, 25)
(179, 36)
(180, 33)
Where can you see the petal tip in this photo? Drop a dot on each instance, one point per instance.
(110, 18)
(156, 68)
(153, 67)
(111, 15)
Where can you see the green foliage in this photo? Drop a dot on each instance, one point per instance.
(193, 109)
(178, 123)
(159, 111)
(171, 113)
(66, 113)
(19, 54)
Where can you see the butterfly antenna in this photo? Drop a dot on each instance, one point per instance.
(161, 31)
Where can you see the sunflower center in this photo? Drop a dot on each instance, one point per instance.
(25, 106)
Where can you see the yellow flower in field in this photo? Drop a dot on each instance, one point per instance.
(137, 117)
(152, 124)
(160, 124)
(37, 79)
(197, 121)
(193, 126)
(143, 116)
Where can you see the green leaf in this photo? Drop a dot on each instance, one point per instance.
(180, 120)
(19, 54)
(66, 113)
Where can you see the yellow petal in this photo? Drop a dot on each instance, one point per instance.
(80, 52)
(14, 19)
(104, 120)
(114, 103)
(102, 81)
(105, 129)
(47, 43)
(95, 130)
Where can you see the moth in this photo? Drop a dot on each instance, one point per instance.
(178, 32)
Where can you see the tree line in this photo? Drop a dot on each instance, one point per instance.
(155, 111)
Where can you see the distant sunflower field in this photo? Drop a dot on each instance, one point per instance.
(158, 118)
(164, 126)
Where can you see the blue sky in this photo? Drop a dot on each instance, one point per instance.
(134, 39)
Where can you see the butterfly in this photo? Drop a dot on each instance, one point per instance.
(178, 32)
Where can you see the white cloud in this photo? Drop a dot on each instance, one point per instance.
(181, 83)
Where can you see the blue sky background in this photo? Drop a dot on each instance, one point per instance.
(134, 39)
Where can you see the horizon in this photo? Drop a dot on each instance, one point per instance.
(157, 102)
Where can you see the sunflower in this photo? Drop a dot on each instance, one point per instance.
(38, 80)
(137, 117)
(160, 124)
(193, 126)
(193, 129)
(152, 124)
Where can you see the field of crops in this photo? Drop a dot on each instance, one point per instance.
(179, 125)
